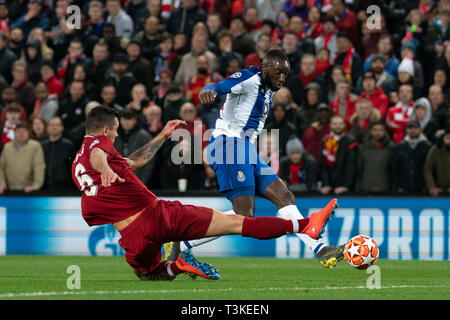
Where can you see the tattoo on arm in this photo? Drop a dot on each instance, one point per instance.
(144, 154)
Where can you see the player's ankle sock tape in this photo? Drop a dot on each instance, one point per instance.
(266, 227)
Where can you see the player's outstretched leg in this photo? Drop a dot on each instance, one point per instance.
(282, 197)
(259, 228)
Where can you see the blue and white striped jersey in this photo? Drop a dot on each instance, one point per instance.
(247, 104)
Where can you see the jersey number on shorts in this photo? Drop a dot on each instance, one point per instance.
(85, 181)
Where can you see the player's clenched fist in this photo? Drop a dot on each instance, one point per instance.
(207, 96)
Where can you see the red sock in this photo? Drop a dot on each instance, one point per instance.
(269, 227)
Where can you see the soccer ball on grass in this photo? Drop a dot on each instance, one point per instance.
(361, 252)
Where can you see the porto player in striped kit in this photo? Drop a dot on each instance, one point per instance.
(112, 193)
(232, 153)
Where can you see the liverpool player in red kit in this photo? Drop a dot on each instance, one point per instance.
(112, 193)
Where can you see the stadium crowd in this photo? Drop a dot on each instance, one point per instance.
(364, 109)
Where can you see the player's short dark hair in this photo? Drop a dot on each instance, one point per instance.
(273, 55)
(99, 118)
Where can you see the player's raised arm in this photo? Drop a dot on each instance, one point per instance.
(99, 163)
(233, 84)
(145, 153)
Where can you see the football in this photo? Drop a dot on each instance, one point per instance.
(361, 252)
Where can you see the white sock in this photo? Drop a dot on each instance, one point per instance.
(291, 212)
(186, 245)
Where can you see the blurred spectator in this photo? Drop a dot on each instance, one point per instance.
(347, 56)
(15, 43)
(375, 94)
(305, 76)
(137, 10)
(252, 22)
(160, 91)
(385, 50)
(75, 55)
(45, 105)
(361, 120)
(131, 136)
(96, 21)
(139, 102)
(346, 20)
(121, 20)
(374, 155)
(7, 57)
(294, 55)
(268, 9)
(437, 36)
(185, 17)
(108, 97)
(48, 75)
(383, 79)
(327, 39)
(140, 67)
(34, 17)
(32, 55)
(423, 113)
(38, 127)
(408, 160)
(24, 88)
(344, 104)
(194, 125)
(12, 119)
(314, 28)
(4, 17)
(80, 73)
(214, 25)
(76, 135)
(22, 164)
(111, 39)
(38, 34)
(409, 51)
(439, 106)
(416, 30)
(339, 159)
(313, 136)
(200, 27)
(150, 37)
(166, 57)
(370, 37)
(304, 116)
(121, 78)
(153, 114)
(399, 115)
(99, 64)
(71, 108)
(58, 153)
(305, 43)
(298, 169)
(172, 103)
(200, 79)
(336, 73)
(187, 66)
(280, 122)
(323, 61)
(406, 75)
(436, 173)
(262, 47)
(439, 77)
(281, 27)
(9, 97)
(225, 51)
(284, 96)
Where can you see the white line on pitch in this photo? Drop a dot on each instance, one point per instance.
(101, 292)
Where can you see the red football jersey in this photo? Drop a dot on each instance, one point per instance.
(112, 204)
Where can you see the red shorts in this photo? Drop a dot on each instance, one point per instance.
(161, 222)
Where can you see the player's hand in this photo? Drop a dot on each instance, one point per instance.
(30, 189)
(325, 190)
(207, 96)
(340, 190)
(109, 177)
(170, 127)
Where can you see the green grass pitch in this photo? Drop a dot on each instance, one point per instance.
(45, 277)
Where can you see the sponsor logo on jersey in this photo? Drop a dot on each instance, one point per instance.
(241, 176)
